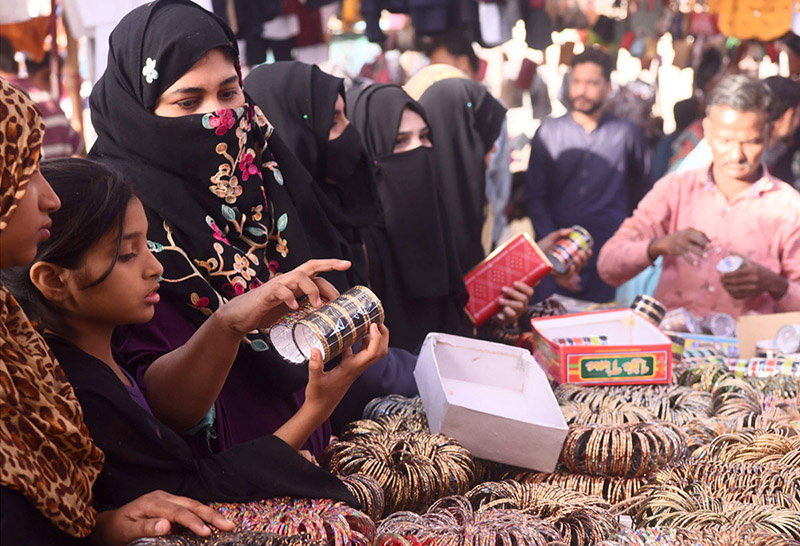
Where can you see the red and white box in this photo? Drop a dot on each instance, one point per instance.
(518, 259)
(636, 353)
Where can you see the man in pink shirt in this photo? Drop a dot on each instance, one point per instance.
(696, 218)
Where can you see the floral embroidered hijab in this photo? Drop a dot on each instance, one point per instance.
(46, 452)
(222, 220)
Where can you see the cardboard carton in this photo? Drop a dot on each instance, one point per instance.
(753, 328)
(637, 352)
(494, 399)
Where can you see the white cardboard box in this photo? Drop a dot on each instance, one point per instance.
(494, 399)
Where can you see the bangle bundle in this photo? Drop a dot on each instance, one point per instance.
(748, 535)
(628, 451)
(579, 518)
(246, 538)
(703, 373)
(695, 507)
(612, 490)
(413, 467)
(753, 446)
(396, 405)
(321, 520)
(627, 404)
(452, 521)
(368, 492)
(776, 485)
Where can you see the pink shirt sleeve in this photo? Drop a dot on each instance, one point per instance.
(625, 254)
(790, 270)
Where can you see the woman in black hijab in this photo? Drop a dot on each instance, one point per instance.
(413, 267)
(307, 108)
(467, 120)
(224, 199)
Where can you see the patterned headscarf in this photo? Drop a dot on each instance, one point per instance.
(20, 146)
(46, 452)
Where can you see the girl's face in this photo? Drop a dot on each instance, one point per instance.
(413, 133)
(129, 294)
(29, 224)
(211, 84)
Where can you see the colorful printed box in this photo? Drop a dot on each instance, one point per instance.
(637, 352)
(726, 346)
(519, 259)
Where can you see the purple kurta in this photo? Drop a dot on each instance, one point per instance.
(247, 406)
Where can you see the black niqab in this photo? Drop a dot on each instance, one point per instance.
(466, 120)
(413, 267)
(299, 99)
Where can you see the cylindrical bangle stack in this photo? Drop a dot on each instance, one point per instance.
(413, 467)
(626, 451)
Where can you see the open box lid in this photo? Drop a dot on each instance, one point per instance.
(621, 327)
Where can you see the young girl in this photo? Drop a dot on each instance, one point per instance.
(97, 272)
(48, 461)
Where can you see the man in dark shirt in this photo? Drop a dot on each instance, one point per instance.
(783, 155)
(587, 168)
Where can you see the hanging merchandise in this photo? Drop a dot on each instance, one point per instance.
(246, 18)
(796, 18)
(568, 14)
(627, 39)
(492, 30)
(637, 48)
(527, 72)
(540, 98)
(703, 24)
(538, 25)
(497, 19)
(676, 28)
(753, 19)
(604, 29)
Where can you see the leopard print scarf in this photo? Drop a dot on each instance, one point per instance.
(46, 452)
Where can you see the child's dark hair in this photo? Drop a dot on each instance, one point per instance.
(94, 199)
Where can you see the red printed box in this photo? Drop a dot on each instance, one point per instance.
(617, 347)
(519, 259)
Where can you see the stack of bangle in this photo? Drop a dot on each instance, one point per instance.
(695, 507)
(703, 373)
(451, 521)
(322, 520)
(773, 484)
(246, 538)
(413, 467)
(579, 518)
(627, 451)
(755, 446)
(736, 397)
(639, 403)
(396, 404)
(609, 412)
(701, 432)
(725, 535)
(612, 490)
(368, 492)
